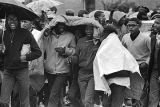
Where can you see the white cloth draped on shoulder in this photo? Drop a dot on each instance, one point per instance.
(112, 57)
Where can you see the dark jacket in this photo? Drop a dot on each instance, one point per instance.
(13, 50)
(152, 57)
(85, 53)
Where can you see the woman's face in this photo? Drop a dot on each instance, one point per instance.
(12, 22)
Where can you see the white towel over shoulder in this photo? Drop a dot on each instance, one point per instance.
(111, 57)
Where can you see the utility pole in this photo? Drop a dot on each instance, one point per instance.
(84, 4)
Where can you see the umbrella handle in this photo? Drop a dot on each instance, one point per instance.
(3, 36)
(3, 29)
(3, 40)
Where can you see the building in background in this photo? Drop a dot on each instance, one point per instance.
(91, 5)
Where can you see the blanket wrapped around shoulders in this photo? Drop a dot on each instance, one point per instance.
(76, 21)
(113, 57)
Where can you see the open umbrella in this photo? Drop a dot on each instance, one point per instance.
(39, 5)
(17, 8)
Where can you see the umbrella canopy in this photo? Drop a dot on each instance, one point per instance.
(17, 8)
(39, 5)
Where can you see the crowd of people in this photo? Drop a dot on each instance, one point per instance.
(44, 65)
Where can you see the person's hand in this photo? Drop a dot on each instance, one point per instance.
(68, 60)
(23, 58)
(60, 50)
(2, 48)
(143, 65)
(144, 70)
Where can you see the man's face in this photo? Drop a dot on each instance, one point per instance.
(102, 18)
(49, 12)
(26, 24)
(156, 25)
(89, 31)
(61, 28)
(12, 22)
(133, 26)
(42, 24)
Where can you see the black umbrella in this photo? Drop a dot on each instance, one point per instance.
(17, 8)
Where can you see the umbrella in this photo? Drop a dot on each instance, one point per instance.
(17, 8)
(39, 5)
